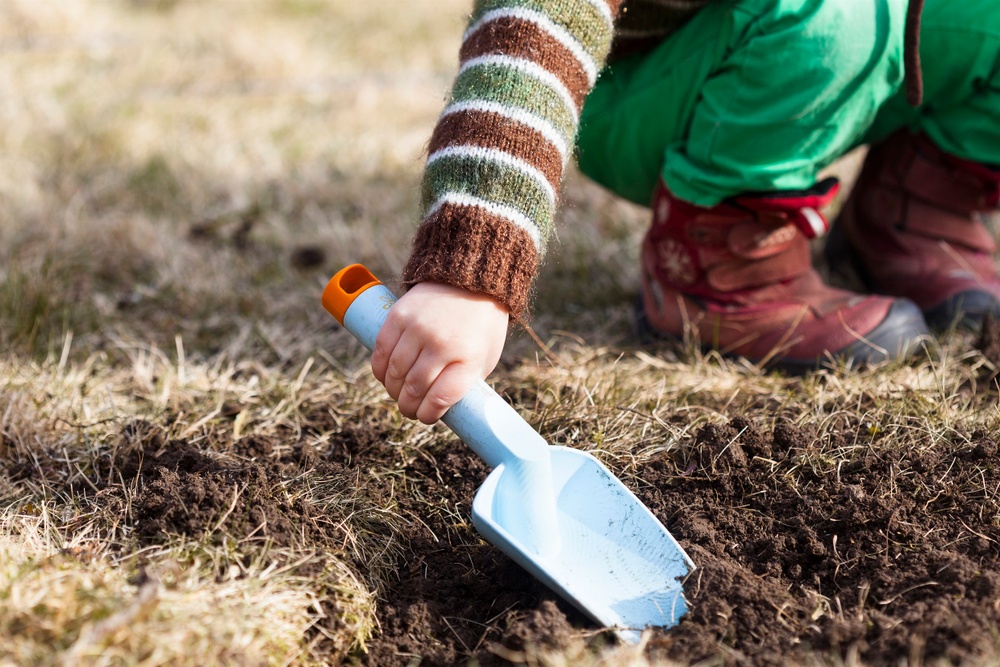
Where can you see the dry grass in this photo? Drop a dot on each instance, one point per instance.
(165, 163)
(67, 601)
(168, 158)
(73, 583)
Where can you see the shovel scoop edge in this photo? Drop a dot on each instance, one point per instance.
(616, 562)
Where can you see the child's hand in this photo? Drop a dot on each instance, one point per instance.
(435, 343)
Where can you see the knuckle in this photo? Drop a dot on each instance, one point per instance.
(395, 370)
(434, 340)
(382, 349)
(414, 386)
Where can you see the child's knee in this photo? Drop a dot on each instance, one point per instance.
(833, 50)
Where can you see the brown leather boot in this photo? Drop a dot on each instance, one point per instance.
(739, 277)
(913, 227)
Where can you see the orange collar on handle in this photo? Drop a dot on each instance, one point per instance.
(346, 286)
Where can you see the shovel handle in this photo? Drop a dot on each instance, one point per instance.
(482, 419)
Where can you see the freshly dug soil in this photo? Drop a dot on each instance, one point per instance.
(181, 490)
(847, 544)
(887, 555)
(457, 595)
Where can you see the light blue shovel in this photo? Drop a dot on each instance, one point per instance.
(556, 511)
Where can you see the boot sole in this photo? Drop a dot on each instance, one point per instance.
(900, 334)
(965, 310)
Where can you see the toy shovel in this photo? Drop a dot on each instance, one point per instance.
(557, 511)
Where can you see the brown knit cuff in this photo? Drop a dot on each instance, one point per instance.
(469, 247)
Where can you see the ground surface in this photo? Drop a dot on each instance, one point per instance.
(837, 544)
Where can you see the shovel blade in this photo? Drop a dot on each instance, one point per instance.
(615, 562)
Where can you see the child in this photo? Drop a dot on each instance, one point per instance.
(720, 114)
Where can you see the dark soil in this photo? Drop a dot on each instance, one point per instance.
(182, 490)
(892, 554)
(847, 544)
(889, 555)
(456, 595)
(250, 497)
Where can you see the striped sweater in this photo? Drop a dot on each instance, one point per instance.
(497, 155)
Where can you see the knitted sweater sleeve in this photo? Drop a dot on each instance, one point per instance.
(497, 155)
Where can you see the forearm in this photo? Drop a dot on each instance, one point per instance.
(497, 155)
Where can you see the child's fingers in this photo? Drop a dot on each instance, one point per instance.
(421, 376)
(385, 344)
(448, 388)
(400, 364)
(435, 343)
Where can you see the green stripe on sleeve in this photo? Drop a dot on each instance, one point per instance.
(491, 181)
(581, 19)
(511, 87)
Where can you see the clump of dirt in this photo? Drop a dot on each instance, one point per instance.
(308, 257)
(183, 490)
(544, 628)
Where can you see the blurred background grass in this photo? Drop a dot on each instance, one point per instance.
(188, 168)
(199, 169)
